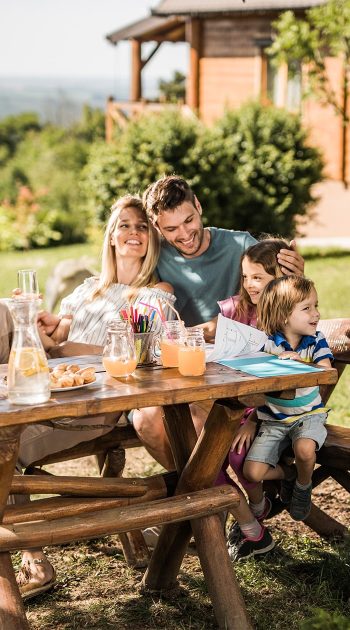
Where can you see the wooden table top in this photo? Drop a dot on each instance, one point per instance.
(151, 386)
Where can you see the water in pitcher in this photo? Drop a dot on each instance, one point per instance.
(28, 377)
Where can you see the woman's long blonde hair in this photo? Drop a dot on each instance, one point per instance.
(109, 271)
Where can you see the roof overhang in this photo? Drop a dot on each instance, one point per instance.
(156, 29)
(206, 8)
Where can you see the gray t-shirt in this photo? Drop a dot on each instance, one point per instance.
(200, 282)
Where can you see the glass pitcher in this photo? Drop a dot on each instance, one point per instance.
(119, 354)
(28, 377)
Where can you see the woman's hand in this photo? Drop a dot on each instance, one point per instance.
(244, 436)
(291, 261)
(47, 322)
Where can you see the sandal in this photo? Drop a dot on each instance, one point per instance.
(29, 586)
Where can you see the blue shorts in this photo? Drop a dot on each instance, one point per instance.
(274, 437)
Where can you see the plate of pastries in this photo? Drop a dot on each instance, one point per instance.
(65, 377)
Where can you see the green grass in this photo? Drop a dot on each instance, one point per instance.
(43, 260)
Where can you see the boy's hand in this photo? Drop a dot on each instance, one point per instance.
(291, 261)
(289, 354)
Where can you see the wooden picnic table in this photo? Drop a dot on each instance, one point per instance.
(191, 510)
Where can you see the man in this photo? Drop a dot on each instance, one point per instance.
(203, 266)
(202, 263)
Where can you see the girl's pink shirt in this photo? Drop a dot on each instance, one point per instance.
(229, 307)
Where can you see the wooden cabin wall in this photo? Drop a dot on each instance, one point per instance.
(325, 125)
(230, 64)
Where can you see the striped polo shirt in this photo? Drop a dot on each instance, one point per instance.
(311, 349)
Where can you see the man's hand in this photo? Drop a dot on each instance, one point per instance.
(291, 261)
(209, 329)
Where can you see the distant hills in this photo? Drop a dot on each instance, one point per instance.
(60, 100)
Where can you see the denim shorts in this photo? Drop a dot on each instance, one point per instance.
(273, 437)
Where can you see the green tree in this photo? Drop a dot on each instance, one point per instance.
(12, 131)
(173, 90)
(324, 32)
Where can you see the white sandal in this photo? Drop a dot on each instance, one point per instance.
(30, 586)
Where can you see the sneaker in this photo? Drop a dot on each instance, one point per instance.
(300, 506)
(235, 534)
(286, 490)
(151, 535)
(287, 485)
(247, 548)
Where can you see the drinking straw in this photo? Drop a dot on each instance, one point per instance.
(177, 315)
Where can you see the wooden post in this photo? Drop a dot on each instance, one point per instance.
(200, 465)
(12, 615)
(109, 125)
(136, 67)
(194, 37)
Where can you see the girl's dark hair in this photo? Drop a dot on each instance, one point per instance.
(264, 253)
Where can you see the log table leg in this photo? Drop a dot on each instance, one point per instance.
(12, 615)
(200, 462)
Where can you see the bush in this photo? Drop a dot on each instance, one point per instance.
(271, 169)
(149, 147)
(253, 170)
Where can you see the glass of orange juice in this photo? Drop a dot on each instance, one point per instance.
(172, 337)
(119, 354)
(192, 353)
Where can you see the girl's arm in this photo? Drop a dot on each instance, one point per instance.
(245, 434)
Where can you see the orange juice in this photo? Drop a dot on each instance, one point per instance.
(119, 368)
(191, 360)
(169, 353)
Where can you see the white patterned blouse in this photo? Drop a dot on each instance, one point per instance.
(91, 317)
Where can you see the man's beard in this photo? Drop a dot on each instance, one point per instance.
(199, 237)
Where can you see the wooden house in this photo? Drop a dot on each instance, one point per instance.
(228, 64)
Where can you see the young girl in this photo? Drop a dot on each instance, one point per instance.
(288, 312)
(259, 265)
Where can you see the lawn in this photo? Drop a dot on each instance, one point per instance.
(301, 585)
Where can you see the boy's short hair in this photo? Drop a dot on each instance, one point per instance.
(167, 193)
(278, 300)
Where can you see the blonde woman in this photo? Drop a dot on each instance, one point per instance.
(129, 257)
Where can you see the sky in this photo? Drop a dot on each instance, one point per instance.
(66, 38)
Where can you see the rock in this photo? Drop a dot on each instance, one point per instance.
(65, 277)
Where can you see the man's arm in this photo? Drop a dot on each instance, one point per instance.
(291, 261)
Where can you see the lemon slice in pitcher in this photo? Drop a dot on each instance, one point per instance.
(31, 361)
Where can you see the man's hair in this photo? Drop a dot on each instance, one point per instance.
(278, 300)
(167, 193)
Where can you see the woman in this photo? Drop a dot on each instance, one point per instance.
(129, 257)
